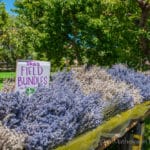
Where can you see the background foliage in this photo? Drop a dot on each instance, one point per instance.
(68, 32)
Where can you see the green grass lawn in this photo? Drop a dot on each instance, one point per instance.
(1, 85)
(6, 75)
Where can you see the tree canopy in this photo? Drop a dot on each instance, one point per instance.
(65, 32)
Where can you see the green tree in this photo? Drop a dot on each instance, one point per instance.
(99, 32)
(144, 23)
(9, 37)
(3, 22)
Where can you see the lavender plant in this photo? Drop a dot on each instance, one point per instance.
(10, 140)
(130, 76)
(9, 105)
(75, 102)
(8, 85)
(97, 79)
(118, 96)
(54, 115)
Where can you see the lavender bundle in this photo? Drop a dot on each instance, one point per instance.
(8, 86)
(54, 115)
(130, 76)
(96, 79)
(10, 140)
(75, 102)
(118, 96)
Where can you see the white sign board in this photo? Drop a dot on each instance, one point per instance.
(30, 74)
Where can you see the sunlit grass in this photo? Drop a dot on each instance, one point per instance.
(1, 85)
(6, 75)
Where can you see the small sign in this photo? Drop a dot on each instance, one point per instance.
(30, 74)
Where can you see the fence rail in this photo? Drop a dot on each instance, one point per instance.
(5, 66)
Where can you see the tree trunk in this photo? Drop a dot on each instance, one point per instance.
(145, 12)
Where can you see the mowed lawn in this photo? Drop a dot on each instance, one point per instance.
(1, 85)
(6, 75)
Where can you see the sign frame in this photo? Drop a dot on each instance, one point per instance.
(30, 74)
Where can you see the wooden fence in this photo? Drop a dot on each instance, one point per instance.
(5, 66)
